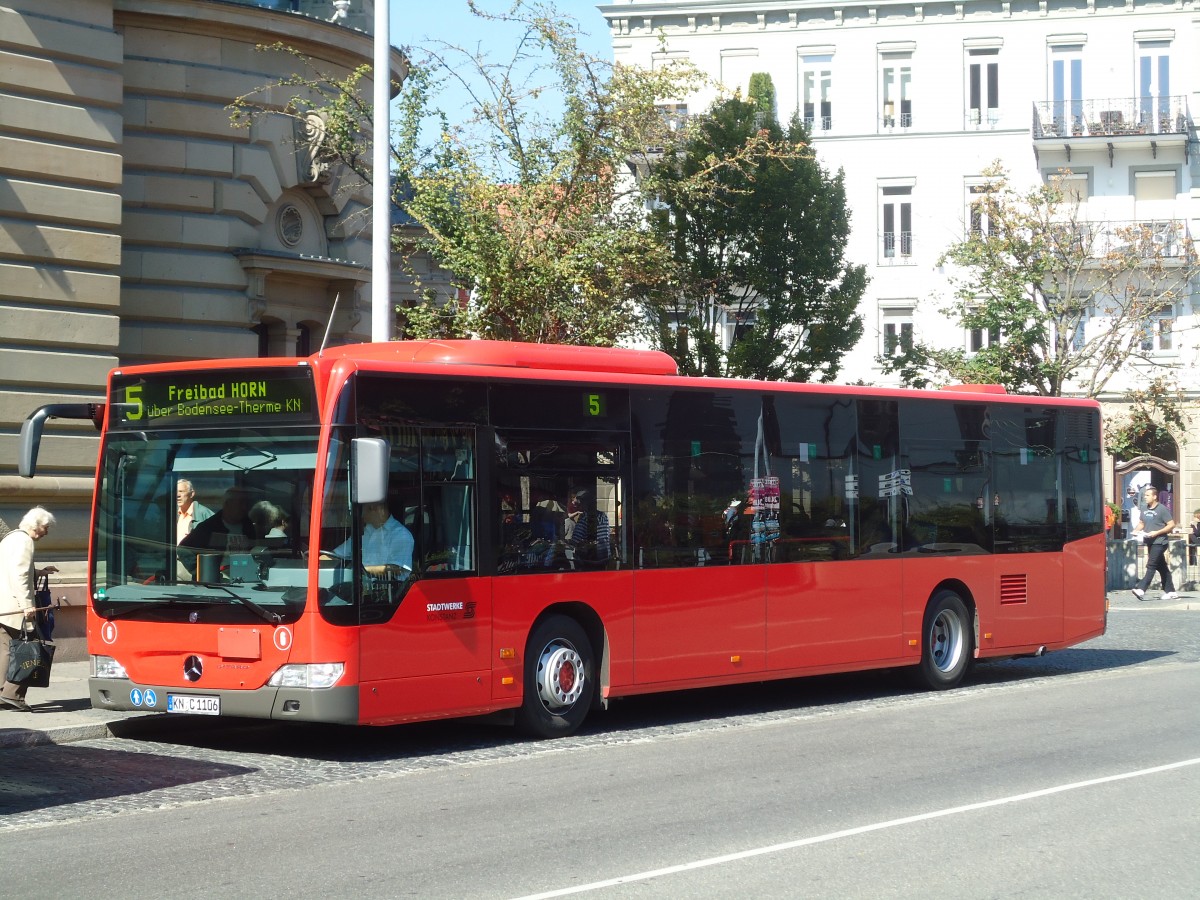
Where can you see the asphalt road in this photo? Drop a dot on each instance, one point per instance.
(1075, 775)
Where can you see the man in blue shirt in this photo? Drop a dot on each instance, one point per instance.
(387, 546)
(1156, 524)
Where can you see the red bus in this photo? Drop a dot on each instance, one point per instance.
(575, 525)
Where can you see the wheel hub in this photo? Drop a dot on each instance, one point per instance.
(560, 678)
(946, 641)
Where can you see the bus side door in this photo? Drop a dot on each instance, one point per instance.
(425, 642)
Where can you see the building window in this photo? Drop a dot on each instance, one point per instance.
(983, 87)
(1066, 87)
(896, 90)
(978, 219)
(674, 115)
(896, 330)
(1154, 206)
(1154, 86)
(896, 217)
(1075, 188)
(733, 325)
(1079, 337)
(1156, 335)
(290, 224)
(1154, 193)
(736, 68)
(816, 92)
(982, 338)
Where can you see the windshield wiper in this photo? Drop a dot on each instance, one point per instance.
(155, 604)
(266, 615)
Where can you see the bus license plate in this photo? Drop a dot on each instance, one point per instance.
(193, 704)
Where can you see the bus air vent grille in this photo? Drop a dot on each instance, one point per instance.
(1014, 589)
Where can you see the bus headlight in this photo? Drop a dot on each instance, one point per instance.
(107, 667)
(312, 675)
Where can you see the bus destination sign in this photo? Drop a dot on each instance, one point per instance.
(227, 397)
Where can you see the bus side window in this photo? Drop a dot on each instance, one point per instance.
(443, 524)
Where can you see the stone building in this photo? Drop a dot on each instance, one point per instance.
(138, 224)
(914, 100)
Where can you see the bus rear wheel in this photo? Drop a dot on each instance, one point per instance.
(946, 642)
(560, 679)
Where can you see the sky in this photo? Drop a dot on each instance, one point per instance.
(416, 23)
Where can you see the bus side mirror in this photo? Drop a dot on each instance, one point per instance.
(31, 429)
(369, 469)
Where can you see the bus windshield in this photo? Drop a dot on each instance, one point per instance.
(204, 520)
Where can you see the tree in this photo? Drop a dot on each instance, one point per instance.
(1155, 415)
(1068, 303)
(760, 252)
(761, 92)
(531, 212)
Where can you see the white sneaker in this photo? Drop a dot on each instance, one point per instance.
(1139, 593)
(1169, 595)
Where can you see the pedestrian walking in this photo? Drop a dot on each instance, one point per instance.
(18, 581)
(1155, 525)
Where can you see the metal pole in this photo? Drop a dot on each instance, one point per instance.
(381, 220)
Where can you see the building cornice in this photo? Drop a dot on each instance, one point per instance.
(346, 47)
(704, 17)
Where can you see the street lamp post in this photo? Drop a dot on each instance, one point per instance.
(381, 220)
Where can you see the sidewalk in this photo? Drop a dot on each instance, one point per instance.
(63, 713)
(1187, 599)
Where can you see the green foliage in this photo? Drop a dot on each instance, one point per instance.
(761, 93)
(534, 216)
(1033, 272)
(530, 214)
(757, 230)
(1157, 414)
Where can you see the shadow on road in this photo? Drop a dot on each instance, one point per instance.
(331, 743)
(52, 775)
(1075, 659)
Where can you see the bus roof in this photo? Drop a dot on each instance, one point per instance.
(557, 362)
(513, 355)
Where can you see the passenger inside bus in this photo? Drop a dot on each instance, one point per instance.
(588, 531)
(229, 529)
(387, 546)
(270, 521)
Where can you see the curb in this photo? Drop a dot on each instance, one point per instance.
(62, 734)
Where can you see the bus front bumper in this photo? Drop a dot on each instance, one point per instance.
(337, 705)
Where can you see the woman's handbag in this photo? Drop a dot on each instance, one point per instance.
(43, 601)
(30, 658)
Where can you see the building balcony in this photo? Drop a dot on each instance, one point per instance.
(1168, 239)
(350, 13)
(1124, 121)
(896, 248)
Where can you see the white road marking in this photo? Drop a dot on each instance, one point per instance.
(853, 832)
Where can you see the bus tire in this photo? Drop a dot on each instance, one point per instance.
(560, 679)
(946, 642)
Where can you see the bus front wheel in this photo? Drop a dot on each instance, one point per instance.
(946, 640)
(560, 679)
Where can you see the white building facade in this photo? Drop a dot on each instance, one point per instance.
(915, 100)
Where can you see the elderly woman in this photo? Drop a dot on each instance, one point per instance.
(18, 579)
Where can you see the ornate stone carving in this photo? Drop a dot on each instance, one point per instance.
(290, 225)
(312, 159)
(255, 307)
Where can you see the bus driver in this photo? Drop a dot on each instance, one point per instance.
(387, 546)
